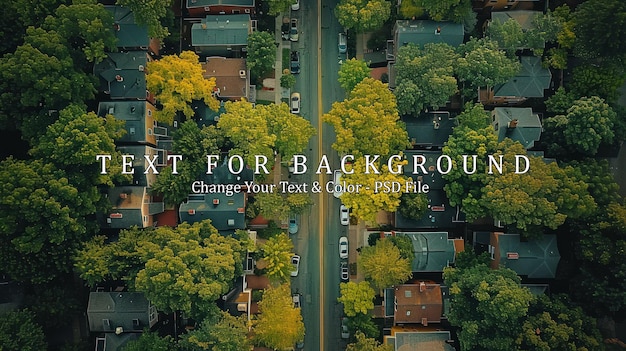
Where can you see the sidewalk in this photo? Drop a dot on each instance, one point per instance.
(278, 65)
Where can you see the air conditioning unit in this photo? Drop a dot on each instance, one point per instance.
(141, 68)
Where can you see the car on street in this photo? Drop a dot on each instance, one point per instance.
(293, 31)
(343, 247)
(345, 334)
(295, 6)
(293, 224)
(337, 188)
(296, 298)
(344, 215)
(345, 274)
(295, 103)
(295, 62)
(295, 262)
(342, 43)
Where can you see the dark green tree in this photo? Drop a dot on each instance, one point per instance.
(488, 306)
(405, 245)
(151, 341)
(598, 80)
(362, 15)
(18, 331)
(223, 332)
(151, 14)
(363, 324)
(600, 27)
(261, 53)
(413, 205)
(364, 343)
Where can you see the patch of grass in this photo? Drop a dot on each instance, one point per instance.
(286, 53)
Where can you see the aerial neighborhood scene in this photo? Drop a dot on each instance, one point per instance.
(361, 175)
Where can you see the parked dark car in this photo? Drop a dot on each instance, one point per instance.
(295, 62)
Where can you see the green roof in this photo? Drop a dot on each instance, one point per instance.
(429, 129)
(517, 123)
(122, 75)
(536, 258)
(433, 250)
(432, 178)
(440, 213)
(114, 342)
(532, 80)
(422, 32)
(221, 31)
(128, 33)
(227, 213)
(133, 113)
(414, 340)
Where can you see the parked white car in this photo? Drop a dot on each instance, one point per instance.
(343, 247)
(295, 262)
(344, 215)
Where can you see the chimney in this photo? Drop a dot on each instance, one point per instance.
(513, 123)
(119, 78)
(425, 321)
(216, 202)
(422, 286)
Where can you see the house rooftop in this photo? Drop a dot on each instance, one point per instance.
(525, 18)
(422, 32)
(230, 76)
(418, 303)
(518, 124)
(430, 129)
(227, 213)
(420, 340)
(531, 81)
(128, 33)
(221, 30)
(122, 75)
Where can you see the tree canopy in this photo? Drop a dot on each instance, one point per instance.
(352, 72)
(364, 343)
(278, 325)
(362, 15)
(18, 331)
(600, 27)
(224, 332)
(150, 13)
(277, 252)
(261, 53)
(383, 265)
(177, 80)
(367, 122)
(357, 298)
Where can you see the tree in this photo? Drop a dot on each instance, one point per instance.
(18, 331)
(287, 80)
(413, 206)
(362, 323)
(599, 179)
(357, 298)
(41, 220)
(405, 245)
(425, 76)
(600, 27)
(223, 333)
(369, 199)
(87, 28)
(278, 6)
(281, 123)
(298, 202)
(277, 252)
(150, 341)
(588, 124)
(367, 122)
(150, 14)
(261, 53)
(483, 64)
(594, 80)
(555, 323)
(488, 306)
(411, 9)
(511, 36)
(364, 343)
(352, 72)
(194, 143)
(186, 268)
(508, 34)
(37, 79)
(176, 80)
(383, 265)
(453, 10)
(279, 325)
(362, 15)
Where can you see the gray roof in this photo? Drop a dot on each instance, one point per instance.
(133, 113)
(531, 81)
(128, 33)
(114, 342)
(422, 32)
(440, 214)
(130, 310)
(227, 213)
(415, 340)
(122, 75)
(524, 17)
(201, 3)
(527, 128)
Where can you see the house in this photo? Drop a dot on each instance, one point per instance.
(403, 339)
(122, 75)
(530, 82)
(418, 304)
(433, 251)
(525, 18)
(227, 213)
(429, 130)
(131, 206)
(143, 173)
(534, 258)
(204, 115)
(422, 32)
(506, 5)
(221, 35)
(120, 312)
(222, 175)
(140, 125)
(129, 34)
(200, 8)
(232, 79)
(114, 342)
(518, 124)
